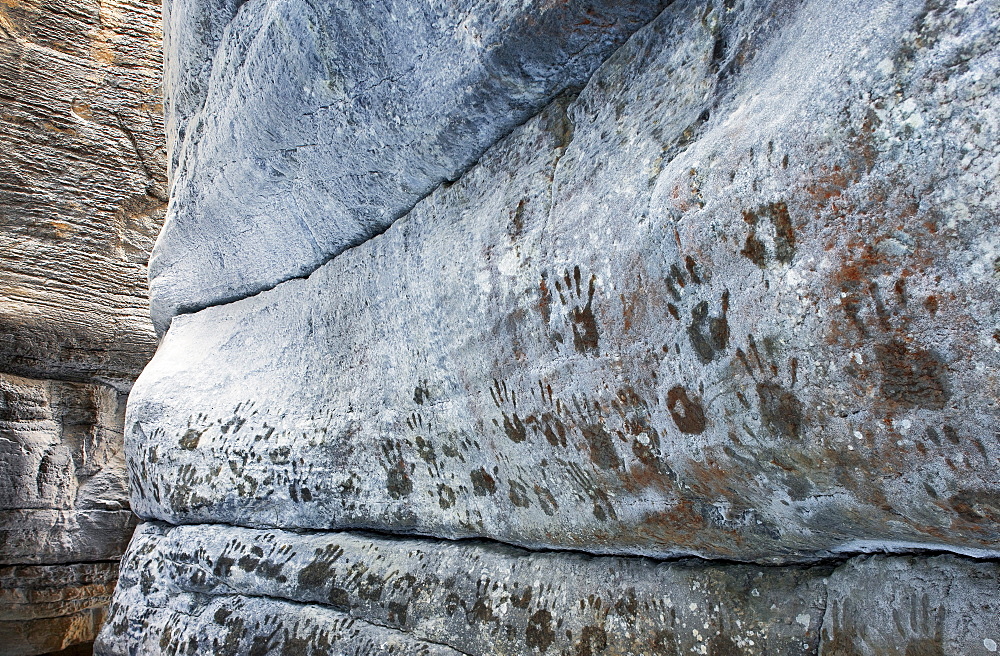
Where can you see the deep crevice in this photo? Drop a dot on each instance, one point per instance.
(823, 559)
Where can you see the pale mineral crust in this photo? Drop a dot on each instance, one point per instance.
(736, 300)
(297, 130)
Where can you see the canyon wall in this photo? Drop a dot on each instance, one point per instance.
(82, 196)
(574, 329)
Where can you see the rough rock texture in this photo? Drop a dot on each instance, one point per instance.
(82, 186)
(298, 129)
(297, 592)
(82, 194)
(48, 608)
(738, 299)
(63, 496)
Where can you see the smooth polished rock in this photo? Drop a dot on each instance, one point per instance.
(738, 300)
(298, 130)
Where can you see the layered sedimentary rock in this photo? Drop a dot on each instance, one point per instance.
(316, 593)
(82, 194)
(735, 299)
(82, 187)
(63, 497)
(299, 130)
(49, 608)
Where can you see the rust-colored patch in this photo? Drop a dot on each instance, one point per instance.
(687, 413)
(911, 377)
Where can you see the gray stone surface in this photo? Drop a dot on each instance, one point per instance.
(913, 606)
(297, 130)
(228, 590)
(738, 299)
(475, 598)
(63, 493)
(48, 608)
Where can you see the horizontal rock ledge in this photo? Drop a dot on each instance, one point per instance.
(226, 590)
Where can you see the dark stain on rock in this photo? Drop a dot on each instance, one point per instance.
(977, 506)
(370, 588)
(397, 613)
(521, 601)
(709, 335)
(780, 410)
(189, 441)
(518, 495)
(223, 566)
(552, 427)
(912, 378)
(602, 448)
(783, 235)
(482, 483)
(722, 645)
(687, 413)
(593, 640)
(628, 605)
(446, 496)
(482, 611)
(546, 500)
(585, 335)
(320, 571)
(539, 634)
(514, 428)
(397, 483)
(420, 393)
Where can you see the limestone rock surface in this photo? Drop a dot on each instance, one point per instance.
(297, 130)
(738, 299)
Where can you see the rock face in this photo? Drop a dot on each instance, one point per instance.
(342, 592)
(82, 187)
(64, 496)
(82, 195)
(736, 299)
(47, 608)
(302, 129)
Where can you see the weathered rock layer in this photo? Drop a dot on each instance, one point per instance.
(82, 195)
(220, 590)
(736, 298)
